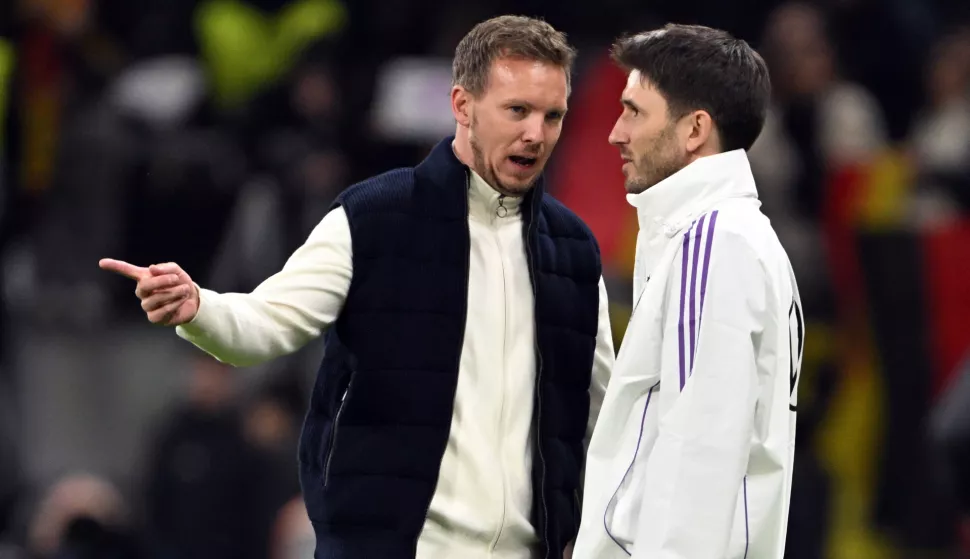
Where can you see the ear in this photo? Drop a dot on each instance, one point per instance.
(702, 135)
(461, 101)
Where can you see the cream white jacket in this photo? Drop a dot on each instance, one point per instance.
(482, 505)
(691, 457)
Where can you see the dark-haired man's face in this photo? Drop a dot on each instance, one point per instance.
(516, 122)
(648, 139)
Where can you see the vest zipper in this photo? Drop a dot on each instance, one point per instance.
(544, 516)
(501, 210)
(461, 340)
(333, 435)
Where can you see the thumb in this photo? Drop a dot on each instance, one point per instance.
(120, 267)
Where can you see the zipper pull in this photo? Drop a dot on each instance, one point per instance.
(501, 210)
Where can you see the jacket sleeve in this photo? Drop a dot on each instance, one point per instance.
(695, 473)
(603, 359)
(284, 312)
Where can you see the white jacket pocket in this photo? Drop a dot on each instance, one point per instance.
(623, 510)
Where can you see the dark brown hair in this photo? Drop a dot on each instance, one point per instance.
(696, 67)
(508, 36)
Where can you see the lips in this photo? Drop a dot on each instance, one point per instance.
(523, 161)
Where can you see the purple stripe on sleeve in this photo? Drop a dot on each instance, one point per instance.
(680, 320)
(692, 302)
(707, 258)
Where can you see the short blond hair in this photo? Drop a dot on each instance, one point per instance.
(508, 36)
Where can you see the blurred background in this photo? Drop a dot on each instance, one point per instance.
(215, 133)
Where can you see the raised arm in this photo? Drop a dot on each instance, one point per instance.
(279, 317)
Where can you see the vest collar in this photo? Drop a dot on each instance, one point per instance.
(437, 187)
(690, 192)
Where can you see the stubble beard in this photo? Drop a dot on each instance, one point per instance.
(660, 162)
(478, 156)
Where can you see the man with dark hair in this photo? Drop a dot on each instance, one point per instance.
(467, 335)
(692, 454)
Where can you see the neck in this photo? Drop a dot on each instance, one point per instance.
(463, 148)
(707, 149)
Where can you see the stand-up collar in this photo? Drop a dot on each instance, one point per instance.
(690, 192)
(485, 203)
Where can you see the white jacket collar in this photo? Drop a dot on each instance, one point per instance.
(680, 198)
(486, 203)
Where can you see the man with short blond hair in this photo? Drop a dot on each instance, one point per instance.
(467, 338)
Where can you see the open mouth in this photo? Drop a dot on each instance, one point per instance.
(524, 162)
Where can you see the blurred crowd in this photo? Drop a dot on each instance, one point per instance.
(215, 133)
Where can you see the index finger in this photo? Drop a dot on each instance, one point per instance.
(119, 267)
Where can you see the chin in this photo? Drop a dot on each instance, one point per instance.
(636, 187)
(517, 188)
(518, 185)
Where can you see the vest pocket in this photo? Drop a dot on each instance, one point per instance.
(578, 506)
(333, 433)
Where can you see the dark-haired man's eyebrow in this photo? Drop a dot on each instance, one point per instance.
(628, 103)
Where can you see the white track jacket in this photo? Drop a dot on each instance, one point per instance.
(691, 457)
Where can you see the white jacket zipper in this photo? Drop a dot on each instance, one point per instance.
(501, 211)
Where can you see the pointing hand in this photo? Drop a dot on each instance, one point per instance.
(168, 295)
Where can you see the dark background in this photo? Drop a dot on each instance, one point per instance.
(215, 133)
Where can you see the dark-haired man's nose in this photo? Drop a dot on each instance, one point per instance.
(617, 136)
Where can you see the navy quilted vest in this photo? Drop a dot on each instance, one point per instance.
(381, 408)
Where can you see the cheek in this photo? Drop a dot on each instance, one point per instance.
(555, 130)
(491, 130)
(549, 142)
(644, 143)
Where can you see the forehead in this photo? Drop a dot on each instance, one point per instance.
(641, 91)
(541, 83)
